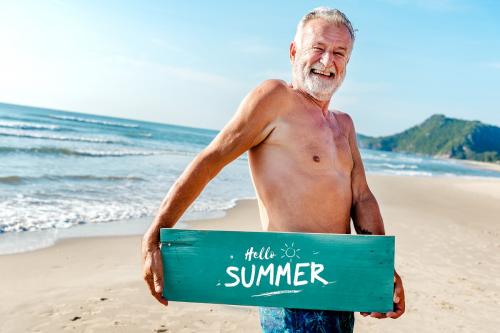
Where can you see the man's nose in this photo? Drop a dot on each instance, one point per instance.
(326, 59)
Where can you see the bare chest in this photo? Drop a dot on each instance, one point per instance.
(315, 142)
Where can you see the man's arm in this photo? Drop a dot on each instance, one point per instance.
(365, 212)
(366, 217)
(251, 124)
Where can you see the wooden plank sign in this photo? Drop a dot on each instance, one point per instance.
(282, 269)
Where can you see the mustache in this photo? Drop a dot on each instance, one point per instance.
(320, 67)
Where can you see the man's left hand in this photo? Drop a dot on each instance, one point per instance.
(398, 299)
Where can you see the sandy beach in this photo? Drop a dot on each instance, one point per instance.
(447, 252)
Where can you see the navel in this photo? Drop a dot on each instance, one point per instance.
(316, 158)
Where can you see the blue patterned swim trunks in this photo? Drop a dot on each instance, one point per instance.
(284, 320)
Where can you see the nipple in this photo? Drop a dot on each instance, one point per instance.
(316, 158)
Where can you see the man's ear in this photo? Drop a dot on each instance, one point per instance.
(293, 50)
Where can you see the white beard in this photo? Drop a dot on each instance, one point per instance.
(314, 85)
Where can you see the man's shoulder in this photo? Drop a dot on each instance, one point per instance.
(343, 117)
(269, 95)
(266, 101)
(345, 120)
(273, 87)
(274, 84)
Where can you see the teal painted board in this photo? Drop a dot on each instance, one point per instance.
(282, 269)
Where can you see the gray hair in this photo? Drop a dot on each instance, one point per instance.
(328, 14)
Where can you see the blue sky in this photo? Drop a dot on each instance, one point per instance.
(191, 63)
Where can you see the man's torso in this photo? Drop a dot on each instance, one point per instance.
(302, 169)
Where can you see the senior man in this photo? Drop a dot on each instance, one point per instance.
(305, 164)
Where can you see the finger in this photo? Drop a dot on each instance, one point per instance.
(157, 283)
(399, 301)
(399, 309)
(148, 274)
(377, 315)
(398, 289)
(398, 292)
(157, 269)
(156, 294)
(160, 298)
(151, 286)
(152, 278)
(395, 314)
(398, 298)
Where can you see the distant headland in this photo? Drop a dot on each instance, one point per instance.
(441, 136)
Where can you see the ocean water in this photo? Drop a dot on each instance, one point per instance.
(63, 169)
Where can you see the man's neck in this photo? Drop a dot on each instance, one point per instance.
(323, 105)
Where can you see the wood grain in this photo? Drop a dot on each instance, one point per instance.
(284, 269)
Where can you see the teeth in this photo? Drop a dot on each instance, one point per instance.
(316, 71)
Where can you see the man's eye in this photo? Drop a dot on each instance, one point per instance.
(339, 54)
(317, 48)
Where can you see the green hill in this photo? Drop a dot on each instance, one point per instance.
(443, 136)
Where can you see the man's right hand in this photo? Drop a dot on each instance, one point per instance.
(152, 268)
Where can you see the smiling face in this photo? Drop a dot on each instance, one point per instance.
(319, 56)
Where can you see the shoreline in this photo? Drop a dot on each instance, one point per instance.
(483, 165)
(136, 227)
(131, 227)
(493, 166)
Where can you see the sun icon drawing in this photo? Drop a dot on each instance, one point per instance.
(290, 252)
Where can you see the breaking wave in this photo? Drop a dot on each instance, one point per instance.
(31, 135)
(93, 121)
(14, 180)
(28, 126)
(47, 150)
